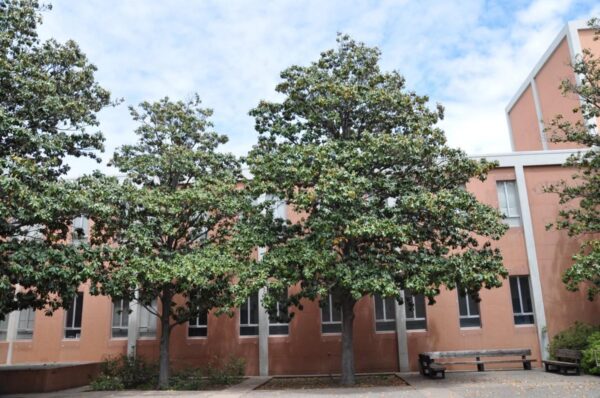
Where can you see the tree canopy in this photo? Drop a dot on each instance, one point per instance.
(49, 98)
(582, 217)
(163, 230)
(380, 194)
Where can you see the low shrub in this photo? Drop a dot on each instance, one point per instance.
(125, 372)
(574, 338)
(590, 361)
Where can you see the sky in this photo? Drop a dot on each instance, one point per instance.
(471, 56)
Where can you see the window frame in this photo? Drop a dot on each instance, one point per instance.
(196, 325)
(522, 313)
(510, 218)
(144, 310)
(462, 317)
(73, 328)
(276, 325)
(28, 330)
(414, 319)
(4, 328)
(385, 320)
(249, 325)
(85, 227)
(120, 326)
(331, 322)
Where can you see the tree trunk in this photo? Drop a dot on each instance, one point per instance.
(348, 376)
(163, 373)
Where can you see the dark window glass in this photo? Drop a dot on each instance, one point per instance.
(520, 294)
(414, 307)
(249, 316)
(331, 316)
(198, 327)
(385, 313)
(73, 318)
(469, 311)
(278, 322)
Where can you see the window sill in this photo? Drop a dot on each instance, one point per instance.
(416, 330)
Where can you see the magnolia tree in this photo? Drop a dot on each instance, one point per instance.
(380, 195)
(48, 102)
(163, 231)
(583, 216)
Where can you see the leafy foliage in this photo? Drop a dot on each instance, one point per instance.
(163, 231)
(48, 101)
(127, 372)
(590, 361)
(379, 192)
(574, 338)
(583, 217)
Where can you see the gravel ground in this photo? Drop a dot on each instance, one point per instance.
(496, 384)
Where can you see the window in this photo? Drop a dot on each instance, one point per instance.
(198, 327)
(148, 321)
(278, 322)
(521, 300)
(25, 326)
(469, 311)
(73, 318)
(80, 230)
(385, 313)
(414, 308)
(508, 201)
(120, 318)
(4, 327)
(331, 316)
(249, 316)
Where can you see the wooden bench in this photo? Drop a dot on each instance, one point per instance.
(566, 360)
(430, 367)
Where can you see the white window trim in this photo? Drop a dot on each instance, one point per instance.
(385, 315)
(513, 215)
(113, 327)
(198, 326)
(518, 277)
(415, 317)
(279, 324)
(247, 324)
(469, 315)
(151, 316)
(330, 301)
(29, 330)
(67, 327)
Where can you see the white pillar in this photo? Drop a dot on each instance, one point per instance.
(401, 336)
(263, 328)
(263, 335)
(11, 334)
(534, 273)
(133, 328)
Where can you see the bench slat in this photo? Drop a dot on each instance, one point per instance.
(487, 361)
(478, 353)
(561, 363)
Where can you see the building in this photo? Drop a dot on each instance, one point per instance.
(532, 306)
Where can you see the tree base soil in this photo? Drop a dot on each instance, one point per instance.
(313, 382)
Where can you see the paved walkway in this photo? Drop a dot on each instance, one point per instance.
(492, 384)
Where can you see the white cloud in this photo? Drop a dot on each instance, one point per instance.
(470, 55)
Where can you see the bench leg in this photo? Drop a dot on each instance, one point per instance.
(527, 365)
(480, 367)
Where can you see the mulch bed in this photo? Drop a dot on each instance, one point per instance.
(311, 382)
